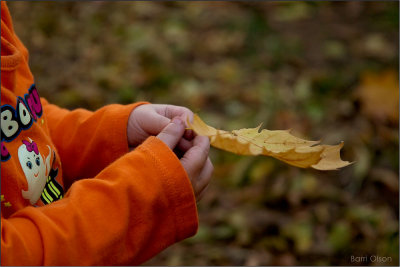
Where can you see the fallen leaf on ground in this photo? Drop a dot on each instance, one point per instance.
(379, 95)
(279, 144)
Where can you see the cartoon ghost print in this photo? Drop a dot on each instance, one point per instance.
(36, 169)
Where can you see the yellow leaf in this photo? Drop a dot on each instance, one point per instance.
(379, 95)
(279, 144)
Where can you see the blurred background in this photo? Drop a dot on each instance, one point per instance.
(327, 70)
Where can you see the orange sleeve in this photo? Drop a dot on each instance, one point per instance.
(88, 141)
(129, 212)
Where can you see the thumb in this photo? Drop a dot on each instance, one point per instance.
(172, 133)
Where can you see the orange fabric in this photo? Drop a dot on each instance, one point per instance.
(119, 207)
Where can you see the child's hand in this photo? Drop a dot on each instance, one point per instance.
(195, 159)
(150, 119)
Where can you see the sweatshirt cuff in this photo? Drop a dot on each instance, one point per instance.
(118, 128)
(177, 186)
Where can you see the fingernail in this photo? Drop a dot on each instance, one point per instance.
(177, 121)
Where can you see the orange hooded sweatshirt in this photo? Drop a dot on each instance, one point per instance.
(71, 192)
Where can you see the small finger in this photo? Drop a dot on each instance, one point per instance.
(184, 144)
(172, 133)
(155, 123)
(189, 134)
(202, 193)
(171, 111)
(196, 156)
(204, 177)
